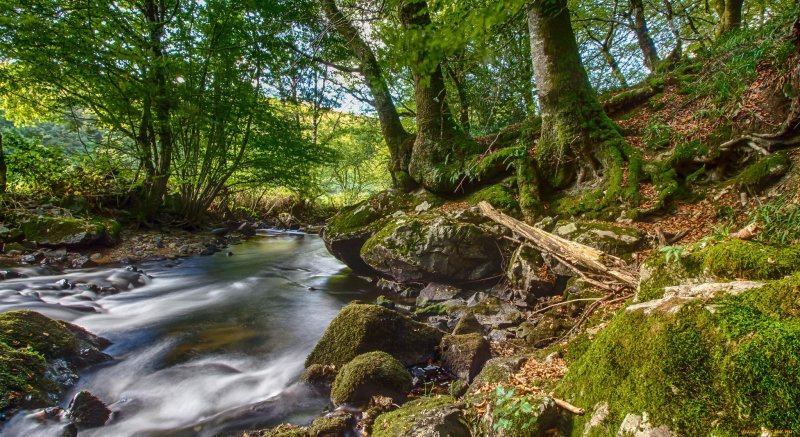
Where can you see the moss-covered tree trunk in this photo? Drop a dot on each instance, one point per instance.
(397, 138)
(639, 26)
(730, 15)
(440, 147)
(579, 145)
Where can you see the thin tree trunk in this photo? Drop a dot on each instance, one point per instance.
(162, 103)
(579, 144)
(677, 52)
(616, 72)
(639, 26)
(3, 169)
(397, 139)
(440, 147)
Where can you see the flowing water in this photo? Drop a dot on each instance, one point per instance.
(210, 345)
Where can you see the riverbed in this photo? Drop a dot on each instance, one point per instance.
(206, 345)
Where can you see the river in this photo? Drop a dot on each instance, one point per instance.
(209, 344)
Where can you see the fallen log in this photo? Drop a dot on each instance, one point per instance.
(577, 256)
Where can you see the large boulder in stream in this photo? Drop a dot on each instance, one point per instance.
(39, 358)
(347, 231)
(361, 328)
(435, 247)
(371, 374)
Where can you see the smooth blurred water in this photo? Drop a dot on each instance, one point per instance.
(211, 345)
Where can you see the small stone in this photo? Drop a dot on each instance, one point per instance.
(465, 355)
(87, 411)
(435, 292)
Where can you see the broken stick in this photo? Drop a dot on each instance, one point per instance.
(569, 407)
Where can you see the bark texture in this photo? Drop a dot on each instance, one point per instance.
(397, 138)
(638, 23)
(579, 144)
(3, 169)
(440, 147)
(730, 15)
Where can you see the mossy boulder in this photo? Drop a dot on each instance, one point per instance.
(72, 233)
(467, 324)
(465, 354)
(727, 260)
(437, 416)
(361, 328)
(435, 247)
(609, 237)
(29, 345)
(346, 232)
(497, 371)
(715, 366)
(338, 424)
(371, 374)
(22, 381)
(284, 430)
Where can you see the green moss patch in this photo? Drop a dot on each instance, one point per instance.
(21, 375)
(29, 330)
(759, 174)
(722, 366)
(370, 374)
(361, 328)
(437, 416)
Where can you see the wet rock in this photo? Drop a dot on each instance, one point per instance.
(86, 411)
(361, 328)
(465, 354)
(437, 416)
(31, 259)
(434, 247)
(436, 292)
(219, 232)
(209, 250)
(10, 274)
(49, 352)
(247, 229)
(370, 374)
(82, 262)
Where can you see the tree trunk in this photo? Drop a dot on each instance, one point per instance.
(579, 145)
(3, 169)
(730, 15)
(677, 52)
(161, 102)
(463, 98)
(639, 26)
(397, 139)
(440, 147)
(616, 72)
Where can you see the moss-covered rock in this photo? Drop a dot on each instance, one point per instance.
(371, 374)
(496, 371)
(72, 233)
(465, 354)
(346, 232)
(338, 424)
(361, 328)
(29, 344)
(715, 366)
(33, 331)
(468, 324)
(764, 171)
(434, 247)
(22, 381)
(284, 430)
(610, 238)
(423, 417)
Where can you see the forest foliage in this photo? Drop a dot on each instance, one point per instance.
(197, 106)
